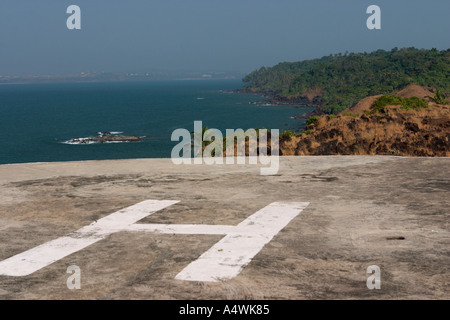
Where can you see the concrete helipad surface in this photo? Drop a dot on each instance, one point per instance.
(333, 218)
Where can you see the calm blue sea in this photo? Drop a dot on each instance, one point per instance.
(37, 119)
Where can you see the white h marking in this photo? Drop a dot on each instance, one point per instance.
(222, 261)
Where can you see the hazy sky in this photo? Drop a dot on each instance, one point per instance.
(205, 35)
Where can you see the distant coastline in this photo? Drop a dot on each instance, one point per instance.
(95, 77)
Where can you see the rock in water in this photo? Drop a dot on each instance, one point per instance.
(105, 137)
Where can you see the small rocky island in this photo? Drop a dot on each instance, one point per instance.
(106, 137)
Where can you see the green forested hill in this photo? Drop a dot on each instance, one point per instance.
(343, 80)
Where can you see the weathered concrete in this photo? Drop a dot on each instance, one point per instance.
(386, 211)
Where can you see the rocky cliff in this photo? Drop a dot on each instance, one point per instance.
(360, 130)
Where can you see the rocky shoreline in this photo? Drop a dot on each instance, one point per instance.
(270, 98)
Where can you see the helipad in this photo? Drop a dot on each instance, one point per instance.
(324, 221)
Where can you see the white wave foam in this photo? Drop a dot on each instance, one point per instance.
(86, 140)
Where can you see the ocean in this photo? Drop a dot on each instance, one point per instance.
(38, 120)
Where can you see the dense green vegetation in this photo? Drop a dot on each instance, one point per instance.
(288, 133)
(346, 79)
(439, 98)
(312, 120)
(406, 103)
